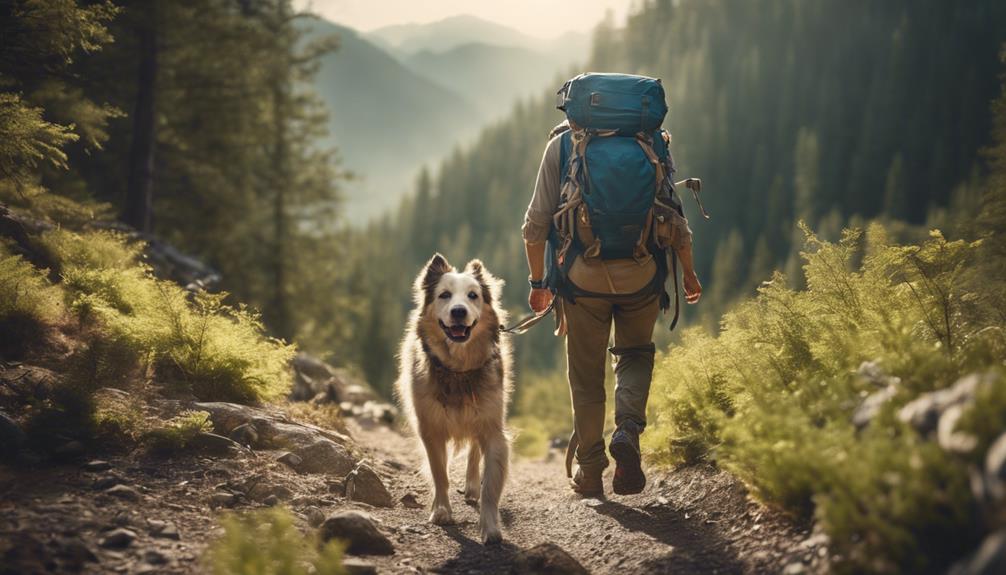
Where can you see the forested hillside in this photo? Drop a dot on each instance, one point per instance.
(821, 112)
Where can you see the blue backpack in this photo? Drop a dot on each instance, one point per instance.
(616, 167)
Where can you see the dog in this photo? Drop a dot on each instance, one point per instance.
(454, 384)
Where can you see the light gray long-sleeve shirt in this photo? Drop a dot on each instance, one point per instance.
(545, 200)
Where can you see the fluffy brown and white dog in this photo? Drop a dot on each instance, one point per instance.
(454, 384)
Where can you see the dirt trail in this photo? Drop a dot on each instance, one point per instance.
(58, 518)
(693, 520)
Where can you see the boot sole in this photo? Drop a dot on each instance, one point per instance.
(627, 468)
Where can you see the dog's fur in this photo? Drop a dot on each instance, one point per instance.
(454, 383)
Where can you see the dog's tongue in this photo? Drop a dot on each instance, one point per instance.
(458, 330)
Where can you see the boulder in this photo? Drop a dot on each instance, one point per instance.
(547, 559)
(325, 456)
(924, 412)
(273, 430)
(96, 465)
(365, 485)
(291, 460)
(359, 531)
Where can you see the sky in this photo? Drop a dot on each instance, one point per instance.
(542, 18)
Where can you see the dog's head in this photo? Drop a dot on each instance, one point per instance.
(461, 303)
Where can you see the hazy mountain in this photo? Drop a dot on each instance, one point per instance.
(492, 78)
(386, 119)
(448, 33)
(408, 40)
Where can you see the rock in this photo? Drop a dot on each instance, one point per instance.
(995, 469)
(547, 559)
(291, 460)
(947, 436)
(273, 431)
(217, 445)
(359, 532)
(872, 405)
(124, 492)
(795, 568)
(989, 559)
(163, 530)
(271, 501)
(357, 566)
(96, 465)
(245, 434)
(259, 489)
(365, 485)
(222, 499)
(154, 557)
(118, 539)
(325, 456)
(410, 501)
(871, 372)
(11, 437)
(314, 516)
(924, 412)
(106, 481)
(75, 552)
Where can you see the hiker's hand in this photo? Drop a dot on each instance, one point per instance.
(539, 299)
(693, 289)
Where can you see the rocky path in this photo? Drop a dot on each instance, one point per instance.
(694, 520)
(139, 513)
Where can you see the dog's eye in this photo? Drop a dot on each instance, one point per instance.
(473, 295)
(445, 295)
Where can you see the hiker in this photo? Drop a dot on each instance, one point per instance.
(609, 157)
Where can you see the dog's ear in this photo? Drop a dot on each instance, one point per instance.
(490, 283)
(430, 276)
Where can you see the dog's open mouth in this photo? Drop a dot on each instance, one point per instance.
(458, 333)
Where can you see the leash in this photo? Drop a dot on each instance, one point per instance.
(528, 322)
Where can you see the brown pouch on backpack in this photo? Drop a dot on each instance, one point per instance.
(670, 229)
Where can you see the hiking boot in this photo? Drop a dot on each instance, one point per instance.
(624, 447)
(588, 484)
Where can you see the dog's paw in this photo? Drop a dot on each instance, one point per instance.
(492, 536)
(472, 497)
(441, 516)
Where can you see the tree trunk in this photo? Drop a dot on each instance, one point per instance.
(140, 186)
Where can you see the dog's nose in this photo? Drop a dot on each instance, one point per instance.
(459, 312)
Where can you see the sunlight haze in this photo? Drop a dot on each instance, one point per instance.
(533, 17)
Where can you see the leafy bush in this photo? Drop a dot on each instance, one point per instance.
(772, 396)
(28, 303)
(195, 342)
(267, 543)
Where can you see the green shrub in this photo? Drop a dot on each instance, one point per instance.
(267, 543)
(28, 304)
(195, 342)
(178, 431)
(771, 397)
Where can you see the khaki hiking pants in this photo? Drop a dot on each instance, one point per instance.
(588, 322)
